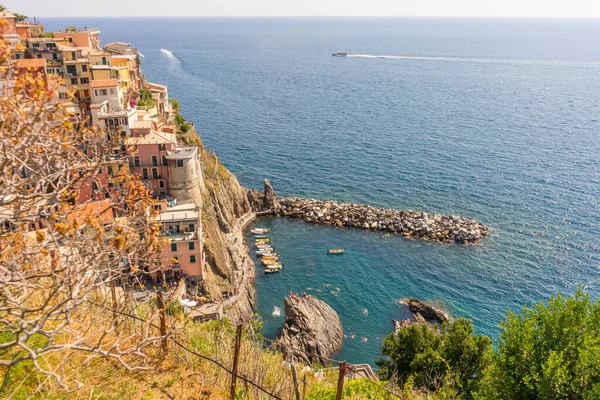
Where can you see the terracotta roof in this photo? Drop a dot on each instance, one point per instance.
(31, 63)
(153, 138)
(96, 209)
(103, 83)
(142, 124)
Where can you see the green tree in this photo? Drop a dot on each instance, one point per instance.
(449, 358)
(548, 352)
(20, 17)
(175, 104)
(3, 8)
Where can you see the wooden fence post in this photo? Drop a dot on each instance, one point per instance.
(163, 321)
(340, 387)
(236, 358)
(295, 377)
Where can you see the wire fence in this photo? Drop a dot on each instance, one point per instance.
(345, 370)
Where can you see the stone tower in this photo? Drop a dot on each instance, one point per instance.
(185, 175)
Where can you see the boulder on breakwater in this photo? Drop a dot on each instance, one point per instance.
(409, 223)
(312, 330)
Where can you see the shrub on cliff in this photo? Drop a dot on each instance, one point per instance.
(447, 359)
(548, 352)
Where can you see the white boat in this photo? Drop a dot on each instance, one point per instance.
(259, 231)
(340, 54)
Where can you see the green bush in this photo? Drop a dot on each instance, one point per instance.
(548, 352)
(431, 358)
(185, 128)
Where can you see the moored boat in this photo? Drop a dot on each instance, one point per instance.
(335, 251)
(259, 231)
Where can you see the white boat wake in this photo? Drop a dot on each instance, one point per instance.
(481, 60)
(276, 312)
(169, 55)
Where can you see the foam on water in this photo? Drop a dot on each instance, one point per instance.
(276, 312)
(169, 55)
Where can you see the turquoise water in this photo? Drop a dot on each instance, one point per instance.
(492, 119)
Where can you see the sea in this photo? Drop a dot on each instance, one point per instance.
(493, 119)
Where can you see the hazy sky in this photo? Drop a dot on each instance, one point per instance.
(533, 8)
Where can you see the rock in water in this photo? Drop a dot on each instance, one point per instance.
(270, 198)
(428, 312)
(312, 330)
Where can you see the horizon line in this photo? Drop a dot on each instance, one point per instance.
(329, 16)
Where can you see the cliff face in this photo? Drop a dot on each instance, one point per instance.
(224, 202)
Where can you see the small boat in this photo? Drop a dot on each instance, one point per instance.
(335, 251)
(259, 231)
(260, 237)
(263, 240)
(270, 257)
(340, 54)
(272, 270)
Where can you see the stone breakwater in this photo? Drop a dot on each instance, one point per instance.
(411, 224)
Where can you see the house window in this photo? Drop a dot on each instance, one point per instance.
(54, 56)
(73, 81)
(110, 184)
(192, 259)
(103, 60)
(103, 92)
(73, 57)
(110, 170)
(164, 160)
(173, 246)
(162, 147)
(161, 184)
(136, 161)
(84, 68)
(100, 171)
(154, 160)
(85, 80)
(112, 91)
(162, 193)
(94, 186)
(39, 56)
(86, 92)
(179, 163)
(155, 173)
(191, 245)
(144, 173)
(191, 227)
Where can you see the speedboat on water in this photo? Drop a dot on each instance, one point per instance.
(340, 54)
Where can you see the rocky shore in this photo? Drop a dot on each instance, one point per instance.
(409, 223)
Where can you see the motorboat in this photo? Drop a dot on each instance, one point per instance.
(335, 251)
(259, 231)
(340, 54)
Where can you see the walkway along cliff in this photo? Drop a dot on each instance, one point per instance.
(409, 223)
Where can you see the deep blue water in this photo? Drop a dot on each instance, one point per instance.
(494, 119)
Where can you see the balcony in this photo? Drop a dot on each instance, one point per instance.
(178, 236)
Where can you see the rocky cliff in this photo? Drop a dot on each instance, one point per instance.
(312, 330)
(423, 313)
(224, 201)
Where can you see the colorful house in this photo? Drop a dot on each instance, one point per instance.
(181, 224)
(149, 160)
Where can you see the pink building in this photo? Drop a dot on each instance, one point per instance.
(150, 162)
(182, 225)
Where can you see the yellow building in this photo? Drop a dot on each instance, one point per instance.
(78, 75)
